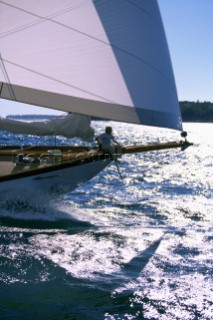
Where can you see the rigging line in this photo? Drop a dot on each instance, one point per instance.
(44, 19)
(40, 19)
(7, 79)
(72, 8)
(59, 81)
(119, 172)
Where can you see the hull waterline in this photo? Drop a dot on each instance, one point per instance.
(51, 184)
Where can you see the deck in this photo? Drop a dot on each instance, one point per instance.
(19, 161)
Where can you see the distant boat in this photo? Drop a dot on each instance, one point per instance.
(103, 59)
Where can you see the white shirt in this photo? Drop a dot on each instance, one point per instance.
(106, 139)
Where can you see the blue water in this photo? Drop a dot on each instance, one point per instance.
(140, 247)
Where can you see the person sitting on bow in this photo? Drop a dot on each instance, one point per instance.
(108, 143)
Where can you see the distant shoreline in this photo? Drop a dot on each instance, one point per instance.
(191, 112)
(196, 111)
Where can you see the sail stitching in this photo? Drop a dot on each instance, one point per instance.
(59, 81)
(2, 35)
(144, 11)
(87, 35)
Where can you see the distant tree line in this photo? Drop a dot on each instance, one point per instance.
(191, 112)
(197, 111)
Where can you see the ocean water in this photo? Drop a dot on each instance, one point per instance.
(138, 246)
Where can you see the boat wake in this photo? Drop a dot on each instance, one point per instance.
(22, 214)
(17, 205)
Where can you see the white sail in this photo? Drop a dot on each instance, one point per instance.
(69, 126)
(108, 59)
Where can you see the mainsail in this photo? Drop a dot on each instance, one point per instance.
(107, 59)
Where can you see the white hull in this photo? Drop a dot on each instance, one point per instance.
(48, 185)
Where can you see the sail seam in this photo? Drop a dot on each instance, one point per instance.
(58, 81)
(44, 19)
(144, 11)
(48, 18)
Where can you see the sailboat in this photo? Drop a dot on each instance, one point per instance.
(89, 58)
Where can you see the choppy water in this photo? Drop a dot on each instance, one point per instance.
(136, 248)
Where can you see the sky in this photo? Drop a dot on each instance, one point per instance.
(189, 29)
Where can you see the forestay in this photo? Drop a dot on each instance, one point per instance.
(108, 59)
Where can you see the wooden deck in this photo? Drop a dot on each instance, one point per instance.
(13, 162)
(16, 160)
